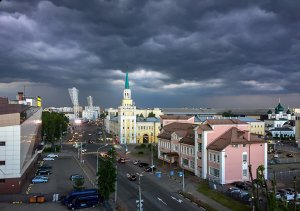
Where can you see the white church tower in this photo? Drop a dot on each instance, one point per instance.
(127, 117)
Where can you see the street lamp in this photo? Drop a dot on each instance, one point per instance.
(140, 193)
(98, 156)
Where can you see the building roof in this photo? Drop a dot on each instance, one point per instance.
(281, 129)
(224, 121)
(233, 136)
(279, 107)
(176, 117)
(205, 127)
(12, 108)
(147, 119)
(186, 129)
(187, 140)
(244, 119)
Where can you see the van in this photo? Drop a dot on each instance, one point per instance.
(84, 201)
(75, 194)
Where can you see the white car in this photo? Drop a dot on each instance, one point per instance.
(48, 158)
(83, 150)
(52, 156)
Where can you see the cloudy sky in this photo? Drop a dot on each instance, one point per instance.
(207, 53)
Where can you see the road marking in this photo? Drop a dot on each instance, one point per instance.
(178, 200)
(161, 201)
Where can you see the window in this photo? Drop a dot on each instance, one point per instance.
(2, 143)
(199, 147)
(2, 180)
(245, 173)
(235, 145)
(200, 136)
(214, 157)
(218, 158)
(244, 158)
(192, 164)
(185, 162)
(214, 172)
(2, 162)
(244, 145)
(210, 156)
(191, 151)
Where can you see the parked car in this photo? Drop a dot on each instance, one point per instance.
(241, 185)
(72, 195)
(45, 167)
(85, 201)
(136, 162)
(73, 177)
(233, 190)
(48, 158)
(43, 172)
(143, 164)
(276, 156)
(52, 156)
(131, 177)
(40, 179)
(150, 168)
(83, 150)
(290, 155)
(122, 160)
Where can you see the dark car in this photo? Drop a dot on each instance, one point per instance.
(241, 185)
(143, 164)
(131, 177)
(122, 160)
(43, 172)
(85, 201)
(150, 169)
(45, 167)
(76, 176)
(290, 155)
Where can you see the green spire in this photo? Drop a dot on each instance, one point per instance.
(126, 81)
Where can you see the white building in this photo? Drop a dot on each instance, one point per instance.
(20, 128)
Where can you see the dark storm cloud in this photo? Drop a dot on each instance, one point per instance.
(173, 49)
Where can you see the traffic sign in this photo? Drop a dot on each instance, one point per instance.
(180, 173)
(158, 174)
(138, 201)
(172, 173)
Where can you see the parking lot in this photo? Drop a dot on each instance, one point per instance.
(59, 183)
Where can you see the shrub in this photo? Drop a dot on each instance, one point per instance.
(143, 145)
(140, 152)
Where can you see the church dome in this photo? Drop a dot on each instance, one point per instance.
(288, 111)
(279, 108)
(276, 111)
(269, 112)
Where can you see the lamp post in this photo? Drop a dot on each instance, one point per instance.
(140, 193)
(295, 195)
(98, 156)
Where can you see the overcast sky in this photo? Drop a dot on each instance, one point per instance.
(207, 53)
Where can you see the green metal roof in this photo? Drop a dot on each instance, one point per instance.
(280, 107)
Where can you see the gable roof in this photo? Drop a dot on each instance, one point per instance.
(233, 136)
(181, 129)
(176, 117)
(224, 122)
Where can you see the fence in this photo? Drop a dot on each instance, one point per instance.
(284, 175)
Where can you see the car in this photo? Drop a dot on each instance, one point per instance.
(276, 156)
(83, 150)
(84, 201)
(39, 179)
(72, 195)
(43, 172)
(131, 177)
(241, 185)
(233, 190)
(52, 156)
(290, 155)
(45, 167)
(47, 158)
(150, 168)
(143, 164)
(136, 162)
(122, 160)
(73, 177)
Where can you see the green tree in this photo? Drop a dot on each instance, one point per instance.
(78, 183)
(228, 114)
(107, 173)
(151, 114)
(53, 125)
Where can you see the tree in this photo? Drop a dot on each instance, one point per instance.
(228, 114)
(53, 125)
(107, 173)
(78, 183)
(151, 114)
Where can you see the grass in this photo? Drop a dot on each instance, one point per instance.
(221, 198)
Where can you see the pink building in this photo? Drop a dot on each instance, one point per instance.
(167, 119)
(219, 149)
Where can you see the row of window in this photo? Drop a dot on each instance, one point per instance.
(145, 127)
(2, 143)
(258, 126)
(216, 172)
(214, 157)
(187, 150)
(2, 162)
(190, 163)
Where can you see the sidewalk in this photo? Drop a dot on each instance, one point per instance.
(174, 183)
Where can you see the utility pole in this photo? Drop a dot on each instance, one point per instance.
(140, 194)
(295, 194)
(60, 129)
(116, 184)
(152, 157)
(80, 152)
(182, 180)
